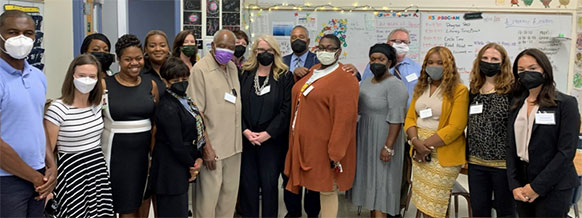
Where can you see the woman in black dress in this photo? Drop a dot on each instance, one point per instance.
(129, 106)
(179, 140)
(157, 50)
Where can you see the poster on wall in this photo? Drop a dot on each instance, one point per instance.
(231, 14)
(212, 17)
(577, 80)
(192, 18)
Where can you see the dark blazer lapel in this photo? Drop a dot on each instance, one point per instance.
(287, 59)
(246, 87)
(270, 99)
(309, 61)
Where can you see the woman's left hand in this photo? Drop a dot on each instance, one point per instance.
(263, 136)
(434, 141)
(195, 169)
(529, 193)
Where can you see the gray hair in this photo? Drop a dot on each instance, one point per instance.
(399, 30)
(302, 27)
(217, 34)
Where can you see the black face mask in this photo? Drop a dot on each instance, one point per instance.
(378, 69)
(266, 58)
(105, 59)
(489, 69)
(298, 46)
(239, 51)
(530, 79)
(179, 88)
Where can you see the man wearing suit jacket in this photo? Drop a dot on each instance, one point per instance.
(301, 59)
(299, 63)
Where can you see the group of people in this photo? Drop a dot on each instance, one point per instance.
(232, 125)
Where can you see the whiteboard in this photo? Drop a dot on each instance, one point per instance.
(515, 32)
(358, 31)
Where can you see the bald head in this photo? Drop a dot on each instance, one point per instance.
(224, 39)
(224, 34)
(14, 14)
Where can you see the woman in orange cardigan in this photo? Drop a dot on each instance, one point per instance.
(435, 122)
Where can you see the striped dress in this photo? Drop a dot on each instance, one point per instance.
(83, 187)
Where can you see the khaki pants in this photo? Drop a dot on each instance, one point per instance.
(329, 202)
(217, 190)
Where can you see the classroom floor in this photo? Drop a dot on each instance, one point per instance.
(347, 209)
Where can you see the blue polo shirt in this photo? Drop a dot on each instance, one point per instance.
(22, 98)
(406, 67)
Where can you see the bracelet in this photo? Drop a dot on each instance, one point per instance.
(412, 139)
(390, 151)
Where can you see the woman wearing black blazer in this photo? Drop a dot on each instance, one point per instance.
(266, 98)
(543, 133)
(179, 138)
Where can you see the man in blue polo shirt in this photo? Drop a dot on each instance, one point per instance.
(27, 170)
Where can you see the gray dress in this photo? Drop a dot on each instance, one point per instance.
(377, 183)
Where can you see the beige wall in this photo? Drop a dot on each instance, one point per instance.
(58, 42)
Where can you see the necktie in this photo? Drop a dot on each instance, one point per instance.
(397, 72)
(298, 63)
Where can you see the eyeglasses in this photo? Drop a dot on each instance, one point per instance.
(261, 50)
(398, 41)
(327, 49)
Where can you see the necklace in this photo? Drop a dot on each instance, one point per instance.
(127, 83)
(488, 92)
(258, 88)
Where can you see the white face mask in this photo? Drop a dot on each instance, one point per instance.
(84, 84)
(325, 57)
(18, 47)
(401, 48)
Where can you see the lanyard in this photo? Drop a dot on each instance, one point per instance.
(228, 82)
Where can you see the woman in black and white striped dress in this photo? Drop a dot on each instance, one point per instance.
(74, 125)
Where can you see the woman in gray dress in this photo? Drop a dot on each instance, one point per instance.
(380, 141)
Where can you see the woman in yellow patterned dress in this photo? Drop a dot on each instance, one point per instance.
(435, 122)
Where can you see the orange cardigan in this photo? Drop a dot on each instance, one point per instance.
(451, 126)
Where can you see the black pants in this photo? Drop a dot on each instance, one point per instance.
(311, 205)
(172, 205)
(554, 204)
(489, 189)
(260, 168)
(17, 198)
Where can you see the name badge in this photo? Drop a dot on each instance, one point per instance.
(308, 90)
(229, 97)
(411, 77)
(265, 90)
(476, 109)
(545, 119)
(426, 113)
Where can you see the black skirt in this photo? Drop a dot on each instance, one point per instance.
(83, 187)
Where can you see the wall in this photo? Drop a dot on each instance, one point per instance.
(554, 7)
(427, 4)
(146, 15)
(58, 42)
